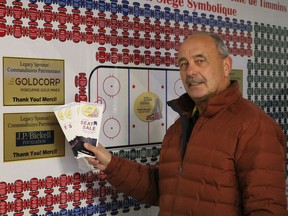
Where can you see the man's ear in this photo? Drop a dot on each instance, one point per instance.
(227, 66)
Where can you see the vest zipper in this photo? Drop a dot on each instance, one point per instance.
(183, 156)
(180, 169)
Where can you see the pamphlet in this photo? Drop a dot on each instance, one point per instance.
(80, 123)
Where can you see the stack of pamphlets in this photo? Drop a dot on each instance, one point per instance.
(81, 124)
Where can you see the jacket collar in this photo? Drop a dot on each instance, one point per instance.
(184, 104)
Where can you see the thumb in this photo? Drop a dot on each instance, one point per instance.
(88, 146)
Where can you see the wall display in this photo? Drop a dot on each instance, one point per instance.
(122, 54)
(31, 81)
(32, 136)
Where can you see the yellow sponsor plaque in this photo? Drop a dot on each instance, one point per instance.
(33, 81)
(32, 136)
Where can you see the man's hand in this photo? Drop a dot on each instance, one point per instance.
(102, 156)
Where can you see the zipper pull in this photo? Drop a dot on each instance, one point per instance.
(180, 170)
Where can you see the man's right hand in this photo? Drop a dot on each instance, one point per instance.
(102, 156)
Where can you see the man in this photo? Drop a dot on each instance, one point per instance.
(224, 156)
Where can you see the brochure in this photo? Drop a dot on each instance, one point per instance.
(80, 123)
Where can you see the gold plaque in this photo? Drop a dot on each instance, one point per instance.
(148, 107)
(32, 136)
(32, 81)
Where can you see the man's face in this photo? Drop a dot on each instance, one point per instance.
(204, 72)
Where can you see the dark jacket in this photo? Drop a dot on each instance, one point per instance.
(234, 163)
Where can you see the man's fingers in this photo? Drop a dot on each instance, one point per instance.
(88, 146)
(92, 161)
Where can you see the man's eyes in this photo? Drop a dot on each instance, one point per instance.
(199, 62)
(183, 65)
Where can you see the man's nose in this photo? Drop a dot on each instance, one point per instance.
(192, 69)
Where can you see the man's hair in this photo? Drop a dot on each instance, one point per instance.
(220, 44)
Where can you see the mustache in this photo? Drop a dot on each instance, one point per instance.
(194, 80)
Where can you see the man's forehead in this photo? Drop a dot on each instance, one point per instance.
(193, 47)
(198, 40)
(195, 55)
(192, 53)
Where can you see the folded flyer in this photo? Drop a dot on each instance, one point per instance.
(80, 123)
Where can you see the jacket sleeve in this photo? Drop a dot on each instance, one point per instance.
(133, 179)
(260, 163)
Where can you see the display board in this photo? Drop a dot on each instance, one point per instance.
(122, 54)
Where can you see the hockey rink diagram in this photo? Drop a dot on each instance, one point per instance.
(134, 98)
